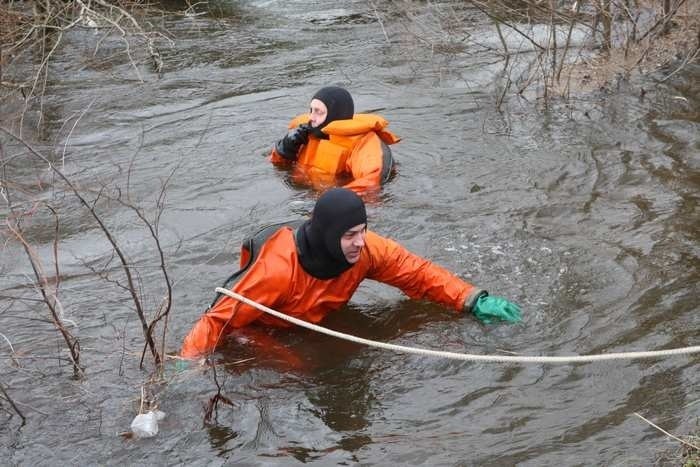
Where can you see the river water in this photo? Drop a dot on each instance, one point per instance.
(584, 212)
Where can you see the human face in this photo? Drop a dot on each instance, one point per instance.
(317, 112)
(352, 242)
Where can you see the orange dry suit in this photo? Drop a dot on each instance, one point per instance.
(356, 149)
(274, 276)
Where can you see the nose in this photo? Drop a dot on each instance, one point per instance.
(359, 239)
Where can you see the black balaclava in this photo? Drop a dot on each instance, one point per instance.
(339, 104)
(318, 239)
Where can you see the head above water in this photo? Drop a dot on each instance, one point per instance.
(330, 103)
(331, 241)
(340, 215)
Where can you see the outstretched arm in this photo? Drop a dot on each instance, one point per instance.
(417, 277)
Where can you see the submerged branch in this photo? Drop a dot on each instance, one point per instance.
(692, 446)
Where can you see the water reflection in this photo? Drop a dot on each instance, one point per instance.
(336, 376)
(220, 437)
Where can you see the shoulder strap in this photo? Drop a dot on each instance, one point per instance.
(387, 163)
(250, 249)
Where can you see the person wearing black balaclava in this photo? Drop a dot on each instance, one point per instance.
(312, 269)
(319, 239)
(332, 145)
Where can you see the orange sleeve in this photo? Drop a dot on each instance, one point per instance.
(264, 282)
(417, 277)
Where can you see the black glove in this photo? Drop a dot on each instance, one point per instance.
(288, 147)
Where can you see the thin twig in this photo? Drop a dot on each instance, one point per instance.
(688, 59)
(213, 405)
(379, 20)
(12, 349)
(164, 309)
(484, 9)
(668, 434)
(50, 299)
(108, 234)
(55, 251)
(143, 396)
(75, 124)
(568, 40)
(662, 21)
(12, 403)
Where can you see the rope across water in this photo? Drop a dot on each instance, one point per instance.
(463, 356)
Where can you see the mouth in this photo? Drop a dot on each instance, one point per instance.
(354, 255)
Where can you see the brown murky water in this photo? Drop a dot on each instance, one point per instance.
(586, 215)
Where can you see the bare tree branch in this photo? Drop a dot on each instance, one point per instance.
(12, 403)
(132, 285)
(50, 297)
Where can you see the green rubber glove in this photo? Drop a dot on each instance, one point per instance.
(182, 365)
(488, 309)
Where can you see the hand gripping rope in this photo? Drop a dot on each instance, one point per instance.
(463, 356)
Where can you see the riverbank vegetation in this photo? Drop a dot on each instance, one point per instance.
(33, 33)
(50, 205)
(559, 48)
(578, 45)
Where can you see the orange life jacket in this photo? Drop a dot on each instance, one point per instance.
(356, 149)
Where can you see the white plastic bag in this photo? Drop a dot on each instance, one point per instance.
(145, 425)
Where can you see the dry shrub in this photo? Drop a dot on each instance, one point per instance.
(661, 44)
(33, 33)
(12, 23)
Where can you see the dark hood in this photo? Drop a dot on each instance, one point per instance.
(338, 102)
(318, 239)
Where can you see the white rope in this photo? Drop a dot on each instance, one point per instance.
(462, 356)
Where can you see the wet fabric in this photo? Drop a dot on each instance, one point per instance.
(278, 280)
(355, 155)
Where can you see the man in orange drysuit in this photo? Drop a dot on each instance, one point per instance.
(315, 269)
(333, 146)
